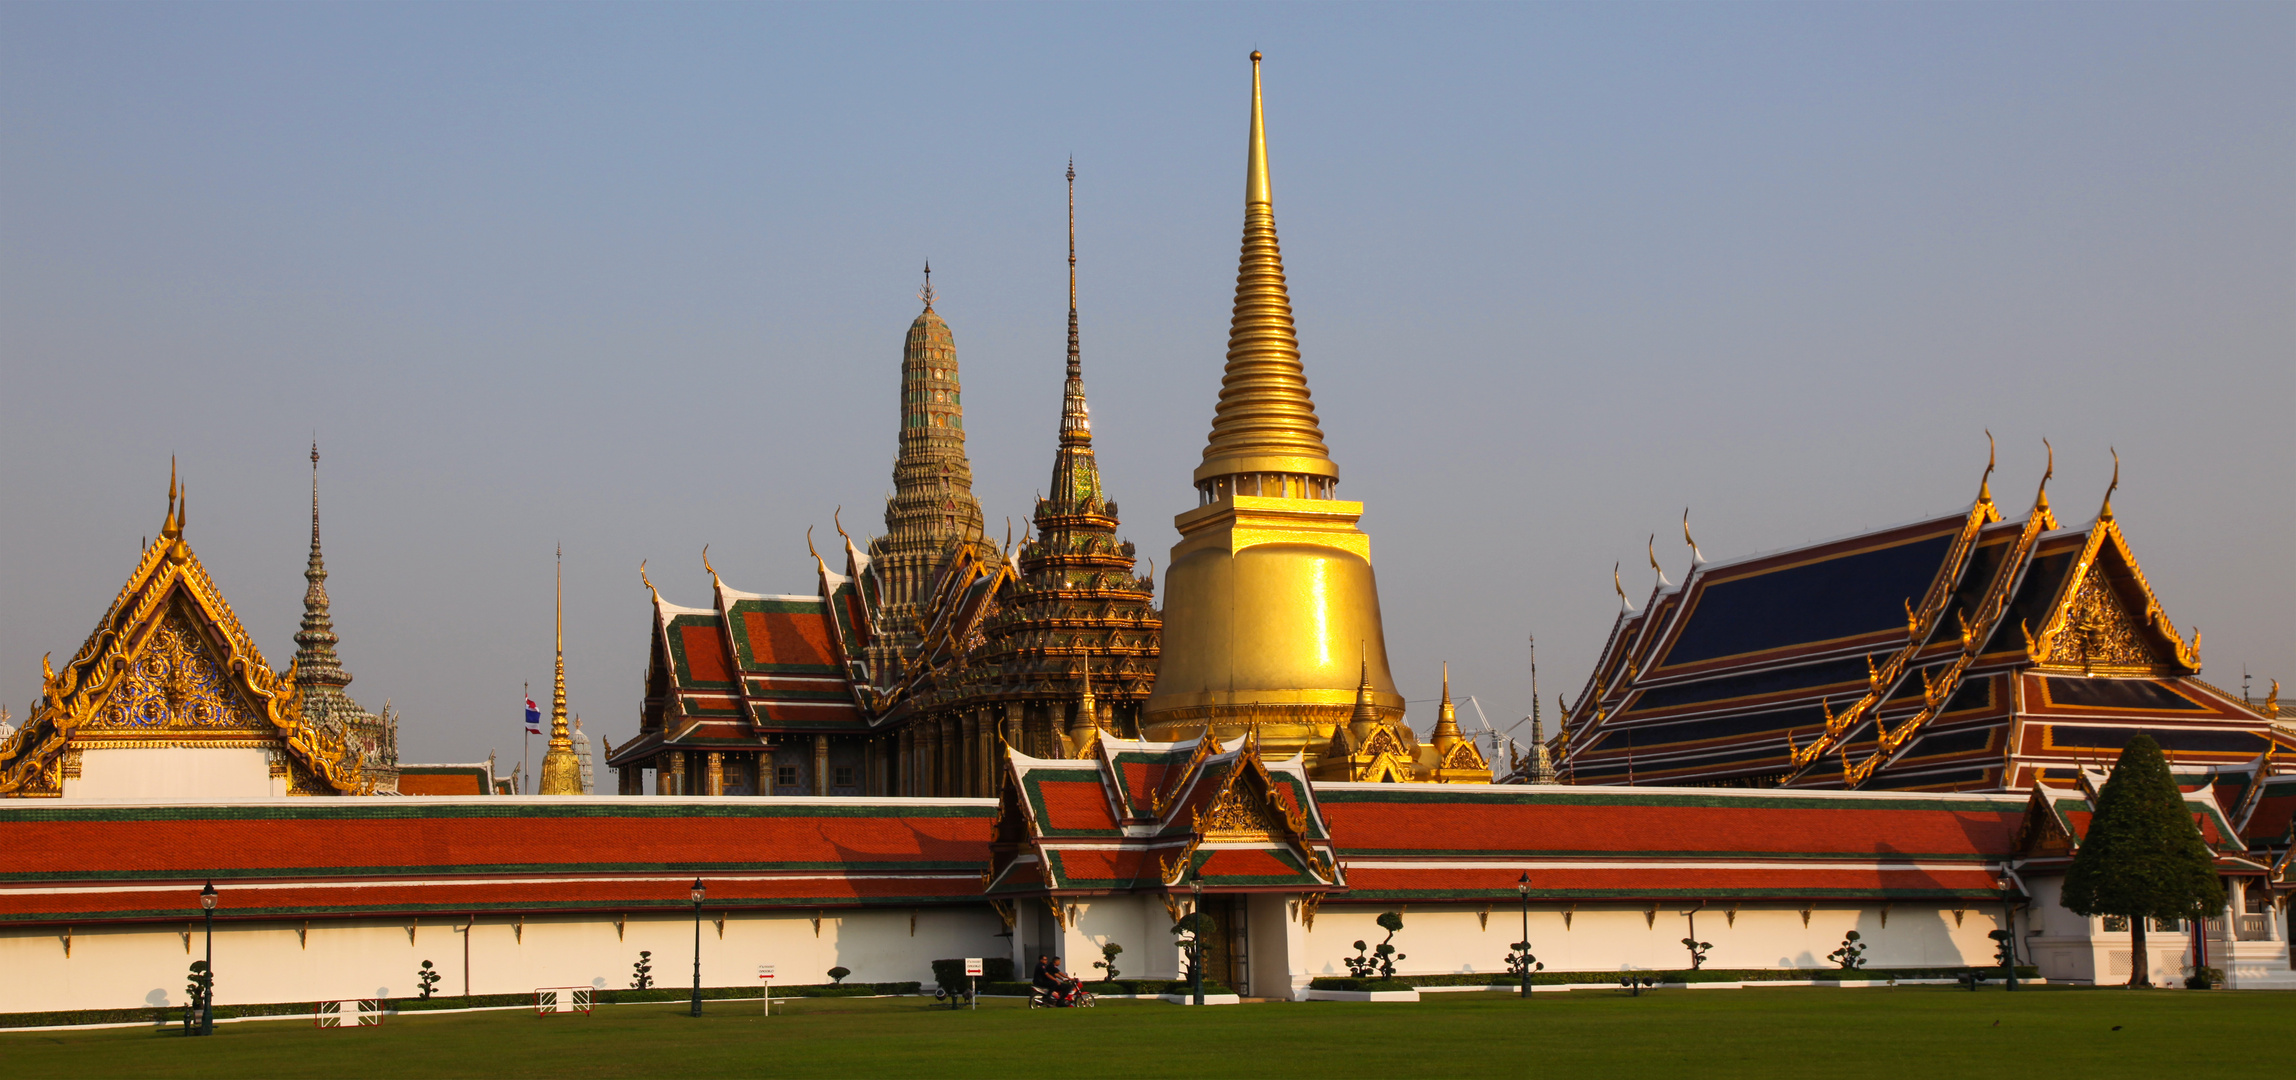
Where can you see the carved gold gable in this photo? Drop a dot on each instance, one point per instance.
(1240, 813)
(173, 689)
(2101, 634)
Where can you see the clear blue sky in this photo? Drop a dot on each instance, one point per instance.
(635, 279)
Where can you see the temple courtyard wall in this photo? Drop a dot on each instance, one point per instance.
(114, 967)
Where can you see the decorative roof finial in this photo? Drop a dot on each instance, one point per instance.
(2106, 512)
(1985, 483)
(647, 581)
(1697, 557)
(1619, 587)
(926, 294)
(2041, 497)
(169, 529)
(1652, 547)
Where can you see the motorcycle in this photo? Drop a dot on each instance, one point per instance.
(1071, 996)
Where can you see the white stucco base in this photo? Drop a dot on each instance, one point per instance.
(175, 772)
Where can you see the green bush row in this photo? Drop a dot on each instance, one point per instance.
(1121, 986)
(174, 1013)
(1554, 978)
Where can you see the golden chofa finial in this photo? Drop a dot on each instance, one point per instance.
(1985, 483)
(706, 566)
(1697, 557)
(1619, 587)
(647, 581)
(1265, 422)
(2105, 513)
(2041, 497)
(169, 528)
(1652, 547)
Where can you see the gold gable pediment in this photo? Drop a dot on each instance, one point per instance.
(170, 665)
(2106, 620)
(175, 689)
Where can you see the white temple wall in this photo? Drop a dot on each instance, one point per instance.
(175, 772)
(264, 962)
(1139, 923)
(1445, 939)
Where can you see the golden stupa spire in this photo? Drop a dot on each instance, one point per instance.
(561, 769)
(1446, 718)
(1265, 422)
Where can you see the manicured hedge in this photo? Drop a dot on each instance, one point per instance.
(174, 1014)
(951, 973)
(1502, 980)
(1121, 986)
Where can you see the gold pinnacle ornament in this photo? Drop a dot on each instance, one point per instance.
(561, 769)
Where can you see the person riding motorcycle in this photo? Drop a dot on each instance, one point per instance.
(1056, 985)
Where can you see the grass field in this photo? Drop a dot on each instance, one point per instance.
(1891, 1031)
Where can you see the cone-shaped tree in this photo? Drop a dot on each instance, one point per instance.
(2143, 856)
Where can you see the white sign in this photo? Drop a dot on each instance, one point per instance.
(973, 965)
(765, 971)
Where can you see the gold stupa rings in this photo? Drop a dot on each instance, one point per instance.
(1246, 463)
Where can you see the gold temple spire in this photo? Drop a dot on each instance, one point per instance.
(561, 769)
(1266, 421)
(1446, 718)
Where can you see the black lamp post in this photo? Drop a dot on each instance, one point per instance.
(1523, 886)
(207, 999)
(698, 894)
(2008, 925)
(1196, 942)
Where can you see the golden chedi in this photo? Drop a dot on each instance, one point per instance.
(561, 766)
(1271, 612)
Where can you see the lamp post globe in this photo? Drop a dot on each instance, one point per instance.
(1523, 888)
(698, 894)
(1196, 934)
(207, 898)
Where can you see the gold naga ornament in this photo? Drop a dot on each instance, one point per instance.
(1270, 590)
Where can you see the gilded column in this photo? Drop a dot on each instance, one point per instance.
(677, 772)
(821, 764)
(716, 777)
(968, 738)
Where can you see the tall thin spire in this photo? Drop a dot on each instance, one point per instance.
(561, 768)
(1075, 470)
(1266, 418)
(317, 667)
(1075, 417)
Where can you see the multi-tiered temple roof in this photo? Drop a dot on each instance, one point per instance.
(1961, 652)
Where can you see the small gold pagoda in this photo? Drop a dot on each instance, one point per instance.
(1271, 612)
(561, 766)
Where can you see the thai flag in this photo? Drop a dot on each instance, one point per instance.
(533, 718)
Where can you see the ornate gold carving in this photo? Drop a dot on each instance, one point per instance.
(2102, 634)
(1307, 904)
(1238, 814)
(174, 684)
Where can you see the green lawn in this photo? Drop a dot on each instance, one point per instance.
(1904, 1031)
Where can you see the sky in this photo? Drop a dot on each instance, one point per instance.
(634, 279)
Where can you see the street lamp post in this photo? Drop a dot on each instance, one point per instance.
(207, 998)
(698, 894)
(2008, 944)
(1196, 936)
(1523, 886)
